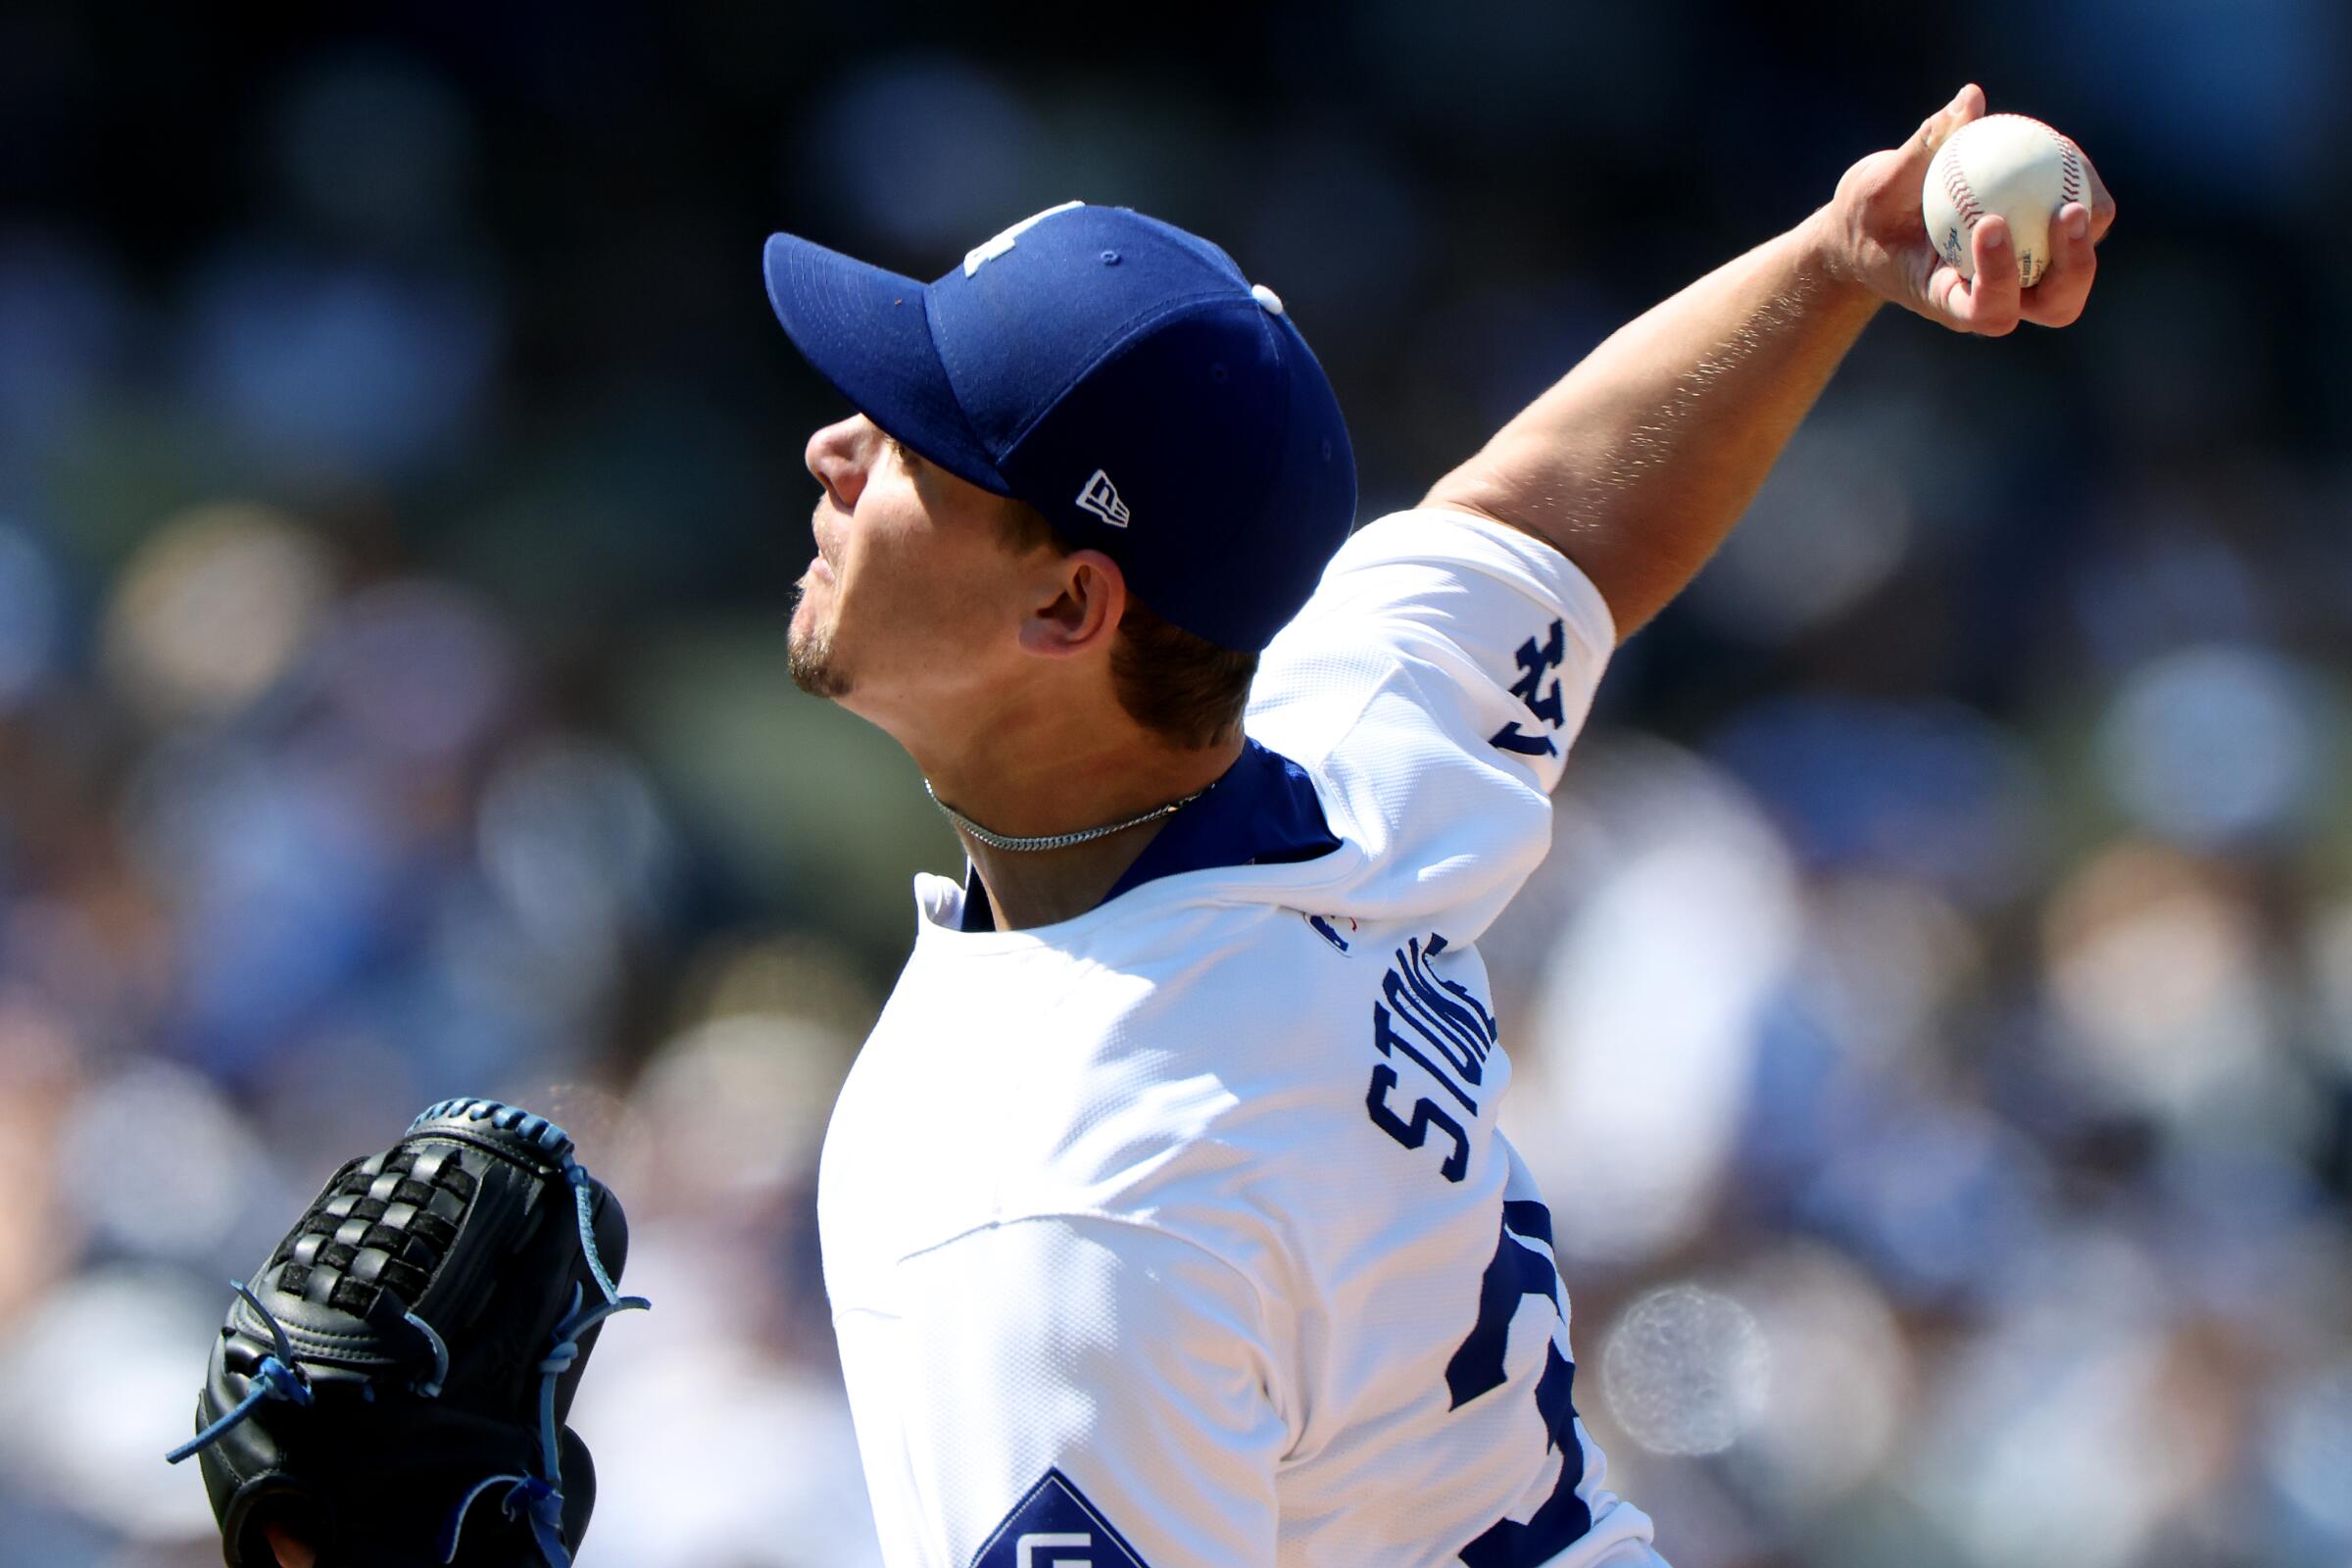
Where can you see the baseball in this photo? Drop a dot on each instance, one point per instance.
(2006, 163)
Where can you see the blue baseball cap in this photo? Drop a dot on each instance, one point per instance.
(1118, 374)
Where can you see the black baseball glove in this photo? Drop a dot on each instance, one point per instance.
(412, 1348)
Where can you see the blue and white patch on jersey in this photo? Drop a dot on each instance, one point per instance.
(1537, 661)
(1054, 1525)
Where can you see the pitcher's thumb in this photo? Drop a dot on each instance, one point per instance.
(1966, 104)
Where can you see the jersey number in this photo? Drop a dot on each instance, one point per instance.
(1518, 1272)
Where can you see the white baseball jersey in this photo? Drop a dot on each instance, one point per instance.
(1180, 1234)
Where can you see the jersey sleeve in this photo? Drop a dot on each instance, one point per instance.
(1435, 682)
(1520, 631)
(1076, 1389)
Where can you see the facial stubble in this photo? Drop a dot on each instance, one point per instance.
(808, 654)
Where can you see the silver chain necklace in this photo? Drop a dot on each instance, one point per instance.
(1055, 841)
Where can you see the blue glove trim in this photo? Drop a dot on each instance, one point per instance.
(523, 1493)
(543, 1494)
(430, 1388)
(279, 1377)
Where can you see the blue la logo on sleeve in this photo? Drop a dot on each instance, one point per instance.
(1054, 1525)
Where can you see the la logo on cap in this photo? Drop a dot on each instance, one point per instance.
(1101, 498)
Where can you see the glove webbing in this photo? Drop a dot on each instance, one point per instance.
(350, 1220)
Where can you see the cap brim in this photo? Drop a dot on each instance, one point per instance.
(869, 332)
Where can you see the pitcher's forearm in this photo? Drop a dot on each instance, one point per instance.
(1640, 460)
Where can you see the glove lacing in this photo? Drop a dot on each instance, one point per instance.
(542, 1495)
(281, 1376)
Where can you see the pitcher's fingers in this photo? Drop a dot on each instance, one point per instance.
(2065, 286)
(290, 1552)
(2099, 197)
(2103, 203)
(1989, 305)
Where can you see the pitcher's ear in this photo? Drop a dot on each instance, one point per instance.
(1081, 610)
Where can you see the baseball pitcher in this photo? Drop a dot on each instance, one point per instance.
(1165, 1220)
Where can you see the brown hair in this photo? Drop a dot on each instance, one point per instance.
(1183, 688)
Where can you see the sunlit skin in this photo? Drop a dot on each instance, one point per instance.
(1640, 460)
(990, 665)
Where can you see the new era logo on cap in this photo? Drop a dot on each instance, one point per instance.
(1054, 1525)
(1101, 498)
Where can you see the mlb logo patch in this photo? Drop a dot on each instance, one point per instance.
(1054, 1525)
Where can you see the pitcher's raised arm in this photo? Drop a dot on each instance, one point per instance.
(1637, 464)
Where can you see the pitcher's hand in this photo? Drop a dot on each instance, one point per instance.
(1875, 236)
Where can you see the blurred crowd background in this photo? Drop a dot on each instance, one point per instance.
(1934, 1020)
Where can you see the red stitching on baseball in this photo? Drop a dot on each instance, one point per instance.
(1964, 197)
(2069, 158)
(2070, 173)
